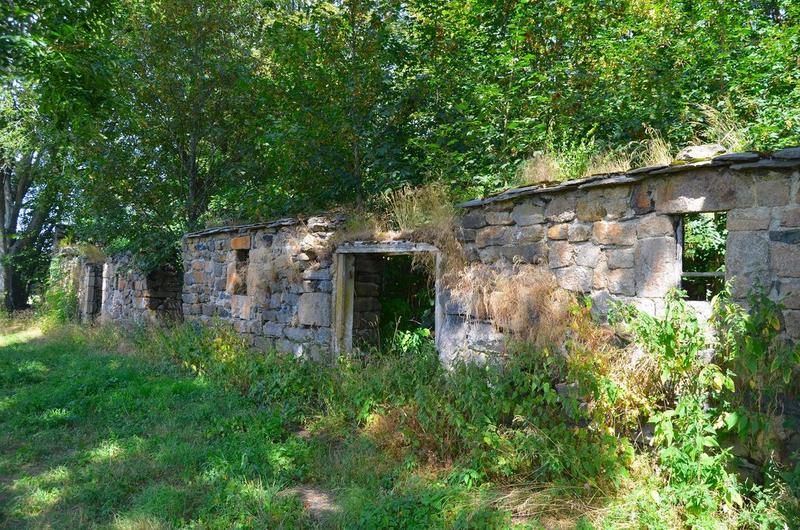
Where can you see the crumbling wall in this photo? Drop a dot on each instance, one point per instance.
(132, 296)
(614, 237)
(272, 281)
(79, 273)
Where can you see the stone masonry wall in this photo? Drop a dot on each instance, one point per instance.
(131, 296)
(615, 238)
(80, 274)
(272, 281)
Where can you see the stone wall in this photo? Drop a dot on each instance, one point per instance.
(79, 273)
(131, 296)
(614, 237)
(366, 301)
(609, 237)
(272, 281)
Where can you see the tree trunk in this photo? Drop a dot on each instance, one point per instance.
(16, 293)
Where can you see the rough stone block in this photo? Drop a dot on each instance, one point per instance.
(526, 234)
(489, 254)
(655, 225)
(773, 190)
(473, 220)
(792, 320)
(314, 273)
(785, 259)
(587, 255)
(705, 190)
(314, 309)
(579, 232)
(790, 236)
(561, 208)
(483, 337)
(241, 306)
(499, 218)
(240, 243)
(590, 209)
(619, 258)
(791, 217)
(528, 213)
(621, 282)
(558, 231)
(748, 219)
(189, 298)
(657, 266)
(492, 236)
(577, 279)
(465, 234)
(562, 254)
(642, 199)
(788, 291)
(614, 233)
(298, 334)
(534, 253)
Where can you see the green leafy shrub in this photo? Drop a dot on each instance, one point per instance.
(696, 403)
(60, 300)
(766, 366)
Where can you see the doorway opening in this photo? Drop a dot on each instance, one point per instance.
(380, 295)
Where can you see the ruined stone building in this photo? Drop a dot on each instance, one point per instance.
(288, 284)
(297, 286)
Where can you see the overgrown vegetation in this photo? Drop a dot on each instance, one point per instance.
(647, 425)
(137, 127)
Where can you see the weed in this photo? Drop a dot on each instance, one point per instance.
(721, 125)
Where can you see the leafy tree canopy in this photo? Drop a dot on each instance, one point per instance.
(175, 114)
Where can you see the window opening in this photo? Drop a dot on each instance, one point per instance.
(702, 238)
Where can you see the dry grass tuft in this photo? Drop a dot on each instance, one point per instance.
(522, 300)
(609, 162)
(424, 214)
(722, 126)
(542, 169)
(655, 150)
(386, 431)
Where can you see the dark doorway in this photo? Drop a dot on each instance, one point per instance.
(382, 293)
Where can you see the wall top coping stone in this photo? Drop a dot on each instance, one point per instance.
(286, 221)
(783, 159)
(323, 221)
(388, 247)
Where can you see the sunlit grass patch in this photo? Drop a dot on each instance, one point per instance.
(19, 334)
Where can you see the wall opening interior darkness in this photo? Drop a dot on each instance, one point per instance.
(702, 238)
(390, 296)
(242, 263)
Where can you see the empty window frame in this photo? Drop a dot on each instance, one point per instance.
(701, 242)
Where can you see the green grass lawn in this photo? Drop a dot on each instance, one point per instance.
(94, 440)
(91, 439)
(187, 428)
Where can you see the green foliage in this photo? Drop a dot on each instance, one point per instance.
(704, 236)
(701, 400)
(60, 300)
(765, 365)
